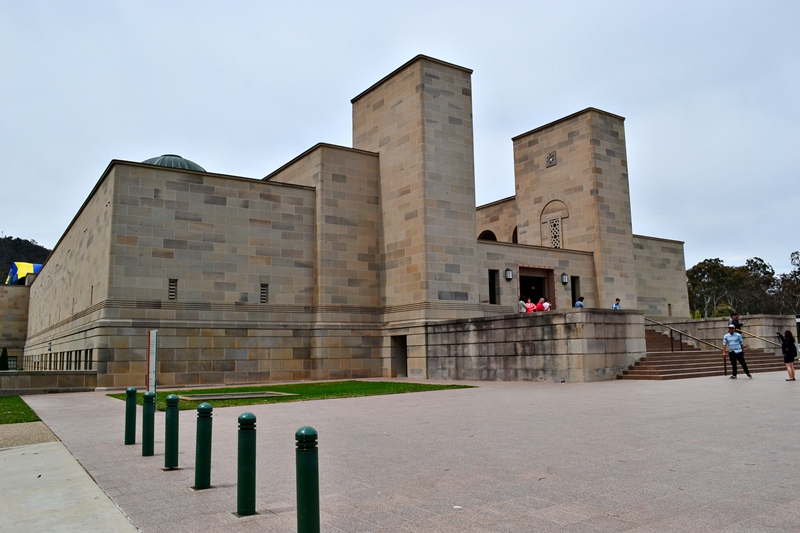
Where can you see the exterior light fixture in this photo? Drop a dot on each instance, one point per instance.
(509, 274)
(564, 278)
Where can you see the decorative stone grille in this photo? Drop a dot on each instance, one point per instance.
(555, 233)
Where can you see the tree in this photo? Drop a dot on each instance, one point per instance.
(708, 283)
(4, 359)
(787, 294)
(753, 288)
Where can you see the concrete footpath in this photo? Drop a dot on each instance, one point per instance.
(43, 488)
(698, 455)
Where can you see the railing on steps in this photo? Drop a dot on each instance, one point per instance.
(682, 333)
(743, 332)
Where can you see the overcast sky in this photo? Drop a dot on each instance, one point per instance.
(710, 92)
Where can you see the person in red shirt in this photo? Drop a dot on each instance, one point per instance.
(529, 306)
(540, 306)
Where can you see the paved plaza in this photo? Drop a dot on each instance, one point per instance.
(696, 455)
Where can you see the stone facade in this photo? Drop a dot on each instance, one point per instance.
(589, 345)
(14, 324)
(660, 277)
(339, 263)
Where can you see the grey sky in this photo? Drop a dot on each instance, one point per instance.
(709, 90)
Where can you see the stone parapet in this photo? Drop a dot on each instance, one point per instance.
(16, 383)
(574, 345)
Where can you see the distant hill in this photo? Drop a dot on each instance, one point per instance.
(15, 249)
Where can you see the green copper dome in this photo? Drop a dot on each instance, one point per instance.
(174, 161)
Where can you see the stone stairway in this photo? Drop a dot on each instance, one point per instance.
(660, 363)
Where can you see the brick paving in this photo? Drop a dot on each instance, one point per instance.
(696, 455)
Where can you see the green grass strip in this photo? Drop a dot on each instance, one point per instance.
(14, 410)
(305, 391)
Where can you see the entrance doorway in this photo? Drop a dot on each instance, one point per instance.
(535, 283)
(399, 362)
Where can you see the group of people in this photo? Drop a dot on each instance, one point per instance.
(733, 347)
(544, 305)
(529, 307)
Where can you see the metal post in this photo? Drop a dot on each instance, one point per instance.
(130, 415)
(307, 469)
(671, 345)
(171, 435)
(148, 423)
(202, 462)
(246, 474)
(680, 337)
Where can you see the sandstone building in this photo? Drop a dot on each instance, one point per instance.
(363, 261)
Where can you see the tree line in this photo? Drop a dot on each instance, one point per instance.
(716, 289)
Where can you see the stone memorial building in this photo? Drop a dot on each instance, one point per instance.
(365, 261)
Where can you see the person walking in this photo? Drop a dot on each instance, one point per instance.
(615, 305)
(789, 349)
(732, 344)
(735, 321)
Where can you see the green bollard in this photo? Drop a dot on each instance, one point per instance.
(246, 474)
(307, 468)
(202, 461)
(148, 423)
(130, 415)
(171, 435)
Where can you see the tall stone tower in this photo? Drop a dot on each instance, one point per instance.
(419, 120)
(572, 192)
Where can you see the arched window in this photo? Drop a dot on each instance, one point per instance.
(553, 216)
(487, 235)
(514, 236)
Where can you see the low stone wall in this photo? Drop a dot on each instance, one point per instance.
(574, 345)
(713, 329)
(16, 383)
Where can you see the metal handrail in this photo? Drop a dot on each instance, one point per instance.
(761, 338)
(684, 333)
(724, 359)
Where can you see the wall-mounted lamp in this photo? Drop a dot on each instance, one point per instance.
(564, 278)
(509, 274)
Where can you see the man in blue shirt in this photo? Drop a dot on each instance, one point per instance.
(732, 343)
(615, 305)
(579, 303)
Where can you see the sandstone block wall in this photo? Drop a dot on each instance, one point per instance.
(75, 277)
(347, 226)
(14, 319)
(586, 186)
(15, 383)
(419, 119)
(499, 256)
(660, 277)
(499, 217)
(590, 345)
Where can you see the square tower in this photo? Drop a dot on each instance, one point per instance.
(572, 192)
(419, 120)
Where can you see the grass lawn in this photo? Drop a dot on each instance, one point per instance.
(13, 410)
(304, 391)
